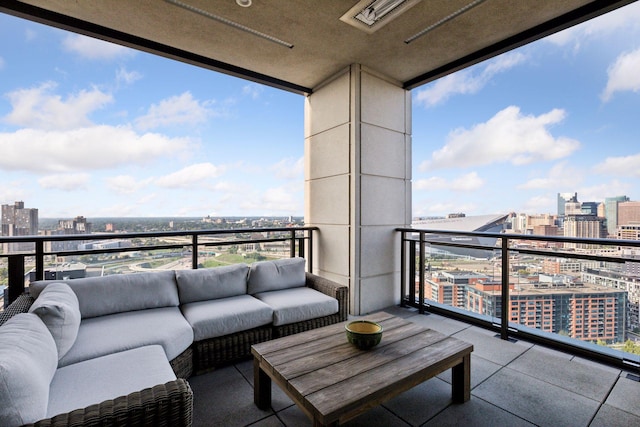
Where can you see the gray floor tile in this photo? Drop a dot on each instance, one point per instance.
(439, 323)
(626, 396)
(476, 413)
(490, 347)
(557, 368)
(224, 397)
(377, 417)
(422, 402)
(481, 369)
(536, 401)
(608, 416)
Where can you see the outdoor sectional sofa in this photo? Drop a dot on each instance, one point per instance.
(117, 350)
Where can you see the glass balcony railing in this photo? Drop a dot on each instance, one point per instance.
(28, 258)
(579, 295)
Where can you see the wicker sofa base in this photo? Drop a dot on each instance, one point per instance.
(182, 365)
(214, 352)
(307, 325)
(169, 404)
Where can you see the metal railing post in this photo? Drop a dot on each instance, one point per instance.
(39, 260)
(194, 251)
(292, 247)
(16, 277)
(310, 251)
(412, 272)
(504, 311)
(422, 268)
(403, 269)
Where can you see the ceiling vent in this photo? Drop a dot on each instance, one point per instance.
(371, 15)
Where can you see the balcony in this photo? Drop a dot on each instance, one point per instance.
(513, 383)
(519, 376)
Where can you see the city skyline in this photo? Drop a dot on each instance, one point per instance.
(94, 129)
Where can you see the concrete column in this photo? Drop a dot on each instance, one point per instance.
(358, 182)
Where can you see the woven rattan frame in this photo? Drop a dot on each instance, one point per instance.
(169, 405)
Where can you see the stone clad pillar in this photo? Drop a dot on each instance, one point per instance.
(358, 182)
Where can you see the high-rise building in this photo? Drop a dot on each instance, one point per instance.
(628, 213)
(584, 226)
(18, 221)
(77, 225)
(590, 208)
(562, 199)
(611, 212)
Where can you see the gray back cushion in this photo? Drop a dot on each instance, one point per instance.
(57, 306)
(28, 361)
(212, 283)
(268, 276)
(99, 296)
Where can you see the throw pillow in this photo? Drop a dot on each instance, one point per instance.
(28, 361)
(57, 306)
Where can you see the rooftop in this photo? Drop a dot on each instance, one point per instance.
(513, 383)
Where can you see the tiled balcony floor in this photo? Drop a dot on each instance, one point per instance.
(513, 384)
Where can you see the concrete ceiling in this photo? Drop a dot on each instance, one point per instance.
(322, 44)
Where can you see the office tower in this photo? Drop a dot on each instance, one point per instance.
(18, 221)
(611, 212)
(562, 199)
(628, 213)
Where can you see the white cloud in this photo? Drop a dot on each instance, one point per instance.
(84, 149)
(289, 168)
(127, 77)
(509, 136)
(560, 175)
(283, 199)
(252, 90)
(190, 175)
(540, 204)
(623, 20)
(40, 108)
(65, 182)
(467, 182)
(599, 192)
(94, 49)
(623, 75)
(181, 109)
(620, 166)
(126, 184)
(468, 81)
(11, 191)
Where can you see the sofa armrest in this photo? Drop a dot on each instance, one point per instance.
(333, 289)
(20, 305)
(169, 404)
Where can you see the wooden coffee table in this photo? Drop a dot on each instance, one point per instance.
(332, 381)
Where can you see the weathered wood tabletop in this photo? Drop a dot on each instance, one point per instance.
(332, 381)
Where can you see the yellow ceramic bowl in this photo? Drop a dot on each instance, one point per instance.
(364, 334)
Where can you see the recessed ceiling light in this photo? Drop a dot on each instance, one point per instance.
(370, 15)
(244, 3)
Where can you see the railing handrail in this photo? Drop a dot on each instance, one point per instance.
(537, 237)
(142, 234)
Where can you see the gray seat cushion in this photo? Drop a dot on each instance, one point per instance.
(99, 336)
(119, 374)
(28, 360)
(206, 284)
(58, 308)
(220, 317)
(298, 304)
(268, 276)
(100, 296)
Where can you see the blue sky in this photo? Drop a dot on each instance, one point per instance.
(94, 129)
